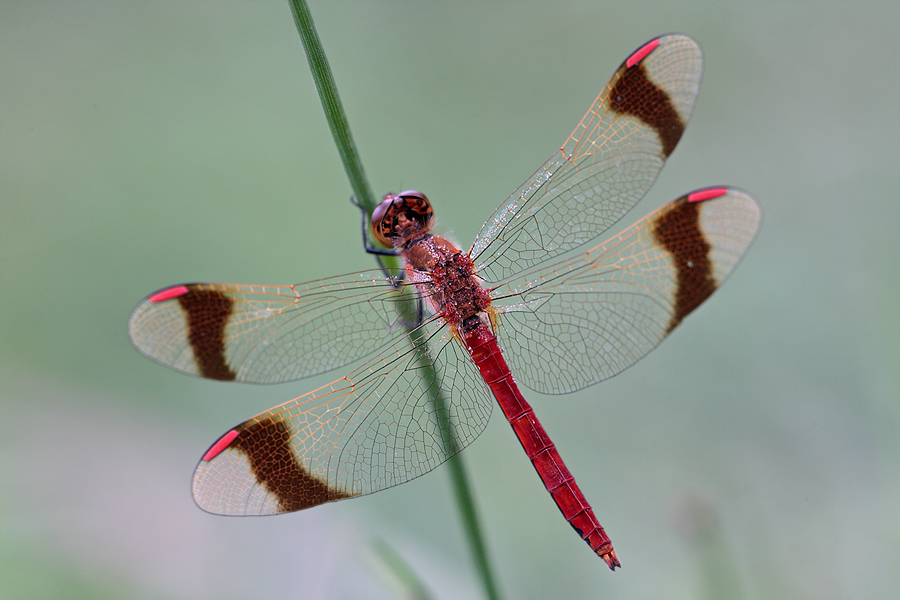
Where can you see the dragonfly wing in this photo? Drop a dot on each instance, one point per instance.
(607, 164)
(373, 429)
(266, 334)
(583, 320)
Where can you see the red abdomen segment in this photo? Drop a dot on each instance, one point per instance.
(482, 346)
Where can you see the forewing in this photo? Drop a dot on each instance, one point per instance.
(266, 334)
(373, 429)
(607, 164)
(580, 321)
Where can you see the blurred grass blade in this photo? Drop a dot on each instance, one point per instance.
(411, 586)
(340, 130)
(701, 526)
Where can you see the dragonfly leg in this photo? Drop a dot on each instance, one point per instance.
(402, 321)
(370, 248)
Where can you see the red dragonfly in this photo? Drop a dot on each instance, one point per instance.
(563, 322)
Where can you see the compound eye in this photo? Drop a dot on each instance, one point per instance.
(382, 220)
(400, 218)
(418, 208)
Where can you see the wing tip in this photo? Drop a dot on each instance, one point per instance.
(663, 40)
(734, 193)
(642, 52)
(707, 194)
(169, 293)
(220, 445)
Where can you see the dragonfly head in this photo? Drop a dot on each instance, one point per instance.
(401, 218)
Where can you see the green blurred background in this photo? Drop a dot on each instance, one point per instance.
(754, 455)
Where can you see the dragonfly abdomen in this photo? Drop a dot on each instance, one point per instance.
(483, 348)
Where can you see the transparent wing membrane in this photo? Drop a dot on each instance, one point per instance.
(607, 164)
(270, 334)
(569, 325)
(375, 428)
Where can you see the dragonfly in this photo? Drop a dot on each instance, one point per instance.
(531, 303)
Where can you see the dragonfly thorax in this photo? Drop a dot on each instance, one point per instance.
(445, 277)
(402, 219)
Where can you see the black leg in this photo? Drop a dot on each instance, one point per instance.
(370, 248)
(420, 310)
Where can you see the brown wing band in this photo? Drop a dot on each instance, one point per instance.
(634, 94)
(678, 230)
(207, 314)
(267, 446)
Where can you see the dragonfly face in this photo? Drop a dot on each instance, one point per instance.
(572, 315)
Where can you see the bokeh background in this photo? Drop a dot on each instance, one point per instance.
(755, 454)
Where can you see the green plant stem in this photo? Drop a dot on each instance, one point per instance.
(468, 513)
(340, 129)
(331, 103)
